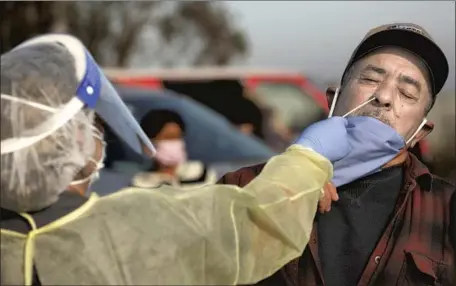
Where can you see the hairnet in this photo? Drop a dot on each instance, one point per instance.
(33, 177)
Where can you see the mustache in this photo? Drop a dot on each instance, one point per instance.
(375, 113)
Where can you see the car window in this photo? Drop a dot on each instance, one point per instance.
(294, 107)
(209, 137)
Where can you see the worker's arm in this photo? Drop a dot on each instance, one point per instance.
(224, 234)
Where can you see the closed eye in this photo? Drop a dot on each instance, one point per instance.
(408, 95)
(369, 80)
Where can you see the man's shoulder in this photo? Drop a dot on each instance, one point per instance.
(242, 176)
(440, 184)
(427, 180)
(437, 190)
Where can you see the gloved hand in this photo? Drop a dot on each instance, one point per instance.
(372, 145)
(327, 137)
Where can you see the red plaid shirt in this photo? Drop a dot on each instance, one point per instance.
(414, 249)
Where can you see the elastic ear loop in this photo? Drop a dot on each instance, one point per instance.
(336, 96)
(373, 98)
(333, 104)
(417, 130)
(99, 164)
(360, 106)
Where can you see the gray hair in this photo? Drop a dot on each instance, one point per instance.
(32, 178)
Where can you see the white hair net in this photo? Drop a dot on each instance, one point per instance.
(33, 177)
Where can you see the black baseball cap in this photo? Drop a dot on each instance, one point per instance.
(410, 37)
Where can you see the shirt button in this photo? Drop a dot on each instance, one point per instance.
(377, 259)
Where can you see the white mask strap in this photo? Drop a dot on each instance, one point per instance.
(417, 130)
(82, 181)
(333, 104)
(60, 118)
(359, 106)
(94, 175)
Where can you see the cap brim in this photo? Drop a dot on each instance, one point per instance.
(417, 44)
(118, 117)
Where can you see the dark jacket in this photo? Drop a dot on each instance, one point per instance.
(414, 248)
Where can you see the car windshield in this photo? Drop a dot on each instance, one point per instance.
(294, 107)
(210, 138)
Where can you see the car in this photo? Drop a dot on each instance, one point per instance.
(210, 138)
(294, 98)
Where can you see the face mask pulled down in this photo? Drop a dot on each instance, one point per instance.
(373, 144)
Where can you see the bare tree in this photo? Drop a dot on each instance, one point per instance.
(182, 31)
(21, 20)
(209, 22)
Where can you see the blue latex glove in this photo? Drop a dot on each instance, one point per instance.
(327, 137)
(372, 145)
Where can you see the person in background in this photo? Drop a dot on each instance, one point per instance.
(170, 166)
(248, 118)
(256, 119)
(389, 226)
(276, 134)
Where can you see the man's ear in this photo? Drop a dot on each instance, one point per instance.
(425, 131)
(330, 94)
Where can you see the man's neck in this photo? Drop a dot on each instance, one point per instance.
(398, 160)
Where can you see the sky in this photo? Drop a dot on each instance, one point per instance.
(317, 38)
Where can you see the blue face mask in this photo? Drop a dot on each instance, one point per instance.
(373, 144)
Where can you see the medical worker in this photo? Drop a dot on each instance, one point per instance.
(55, 232)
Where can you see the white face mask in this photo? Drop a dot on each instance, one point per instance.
(98, 164)
(171, 152)
(333, 106)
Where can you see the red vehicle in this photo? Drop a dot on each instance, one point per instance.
(296, 101)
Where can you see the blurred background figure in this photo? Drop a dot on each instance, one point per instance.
(248, 118)
(166, 130)
(253, 117)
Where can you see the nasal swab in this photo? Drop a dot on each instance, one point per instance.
(359, 106)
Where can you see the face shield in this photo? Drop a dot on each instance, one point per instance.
(94, 92)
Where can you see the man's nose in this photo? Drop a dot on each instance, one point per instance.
(384, 96)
